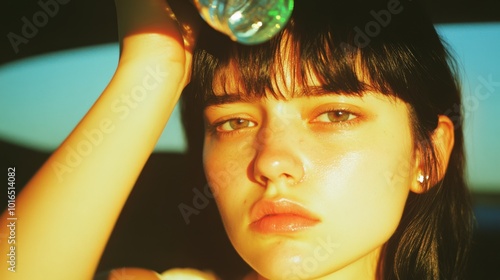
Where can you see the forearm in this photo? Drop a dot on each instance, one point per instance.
(67, 211)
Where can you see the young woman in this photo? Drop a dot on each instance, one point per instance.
(328, 149)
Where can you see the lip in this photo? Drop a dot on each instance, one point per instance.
(281, 216)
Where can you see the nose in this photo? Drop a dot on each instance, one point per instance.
(278, 161)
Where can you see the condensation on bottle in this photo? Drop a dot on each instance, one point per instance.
(246, 21)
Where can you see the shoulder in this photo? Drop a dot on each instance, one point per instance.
(128, 273)
(187, 274)
(146, 274)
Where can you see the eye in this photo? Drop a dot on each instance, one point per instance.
(336, 116)
(234, 124)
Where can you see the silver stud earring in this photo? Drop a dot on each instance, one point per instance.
(421, 178)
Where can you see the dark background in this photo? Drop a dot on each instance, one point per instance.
(151, 232)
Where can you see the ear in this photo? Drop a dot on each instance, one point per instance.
(443, 139)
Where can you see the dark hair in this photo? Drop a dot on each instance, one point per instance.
(352, 46)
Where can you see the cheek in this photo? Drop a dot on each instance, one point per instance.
(225, 164)
(226, 172)
(365, 191)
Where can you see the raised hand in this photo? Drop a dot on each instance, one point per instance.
(68, 209)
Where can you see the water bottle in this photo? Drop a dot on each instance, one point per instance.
(246, 21)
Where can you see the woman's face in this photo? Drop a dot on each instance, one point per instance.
(309, 186)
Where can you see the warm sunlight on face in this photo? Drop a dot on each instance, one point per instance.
(311, 186)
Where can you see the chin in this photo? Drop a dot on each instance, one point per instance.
(294, 271)
(287, 259)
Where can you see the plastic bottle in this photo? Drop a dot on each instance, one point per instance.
(246, 21)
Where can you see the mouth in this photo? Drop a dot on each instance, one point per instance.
(281, 216)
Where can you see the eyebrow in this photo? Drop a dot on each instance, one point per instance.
(227, 98)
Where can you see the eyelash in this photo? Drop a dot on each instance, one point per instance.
(216, 127)
(352, 119)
